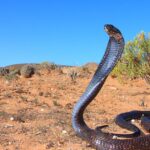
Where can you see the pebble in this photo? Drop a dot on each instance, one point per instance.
(11, 118)
(7, 82)
(64, 131)
(42, 109)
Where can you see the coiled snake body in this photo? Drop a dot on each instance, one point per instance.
(97, 138)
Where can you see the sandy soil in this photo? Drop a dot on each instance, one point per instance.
(35, 113)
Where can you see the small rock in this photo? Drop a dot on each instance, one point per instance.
(42, 109)
(12, 118)
(64, 132)
(7, 82)
(9, 143)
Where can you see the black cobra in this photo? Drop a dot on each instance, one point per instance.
(97, 138)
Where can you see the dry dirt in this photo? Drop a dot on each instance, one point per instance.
(35, 113)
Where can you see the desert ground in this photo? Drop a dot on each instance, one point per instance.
(35, 112)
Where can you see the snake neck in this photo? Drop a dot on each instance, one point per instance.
(81, 128)
(110, 58)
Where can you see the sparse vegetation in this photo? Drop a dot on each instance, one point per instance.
(10, 77)
(135, 62)
(37, 112)
(3, 71)
(85, 69)
(27, 71)
(49, 65)
(73, 75)
(56, 103)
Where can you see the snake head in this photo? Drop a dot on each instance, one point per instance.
(112, 31)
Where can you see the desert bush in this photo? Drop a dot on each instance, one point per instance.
(9, 74)
(49, 65)
(3, 71)
(15, 72)
(27, 71)
(135, 61)
(10, 77)
(85, 70)
(73, 75)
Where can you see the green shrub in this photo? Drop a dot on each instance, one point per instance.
(73, 75)
(135, 61)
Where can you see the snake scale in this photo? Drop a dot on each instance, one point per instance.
(96, 137)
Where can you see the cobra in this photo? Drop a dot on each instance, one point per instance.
(96, 137)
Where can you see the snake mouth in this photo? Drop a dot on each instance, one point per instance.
(112, 31)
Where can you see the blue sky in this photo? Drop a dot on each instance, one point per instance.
(68, 32)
